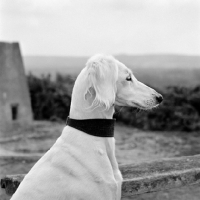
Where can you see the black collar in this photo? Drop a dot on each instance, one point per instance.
(95, 127)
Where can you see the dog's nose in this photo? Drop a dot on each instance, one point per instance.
(159, 98)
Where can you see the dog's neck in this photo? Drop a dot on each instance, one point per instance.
(80, 103)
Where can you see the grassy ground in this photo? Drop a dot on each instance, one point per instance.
(132, 146)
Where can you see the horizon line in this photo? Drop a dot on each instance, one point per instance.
(120, 54)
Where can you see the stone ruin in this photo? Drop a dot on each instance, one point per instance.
(15, 104)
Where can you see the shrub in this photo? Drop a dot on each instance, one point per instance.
(48, 98)
(180, 109)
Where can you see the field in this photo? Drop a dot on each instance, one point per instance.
(158, 71)
(132, 146)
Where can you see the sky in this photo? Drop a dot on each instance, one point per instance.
(86, 27)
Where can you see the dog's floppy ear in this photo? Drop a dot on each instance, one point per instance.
(102, 77)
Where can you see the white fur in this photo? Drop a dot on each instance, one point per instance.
(81, 166)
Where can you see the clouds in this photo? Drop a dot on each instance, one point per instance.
(66, 27)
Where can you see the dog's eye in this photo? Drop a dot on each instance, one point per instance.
(129, 78)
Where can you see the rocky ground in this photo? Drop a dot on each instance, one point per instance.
(132, 146)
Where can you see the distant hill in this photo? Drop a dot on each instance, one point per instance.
(156, 70)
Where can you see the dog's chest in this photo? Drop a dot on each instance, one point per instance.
(85, 150)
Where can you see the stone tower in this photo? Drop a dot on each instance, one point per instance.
(15, 106)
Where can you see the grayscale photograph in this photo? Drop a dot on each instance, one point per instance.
(99, 100)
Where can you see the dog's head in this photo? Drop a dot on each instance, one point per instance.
(113, 83)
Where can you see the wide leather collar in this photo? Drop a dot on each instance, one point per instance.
(95, 127)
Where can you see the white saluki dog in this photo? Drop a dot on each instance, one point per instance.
(80, 166)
